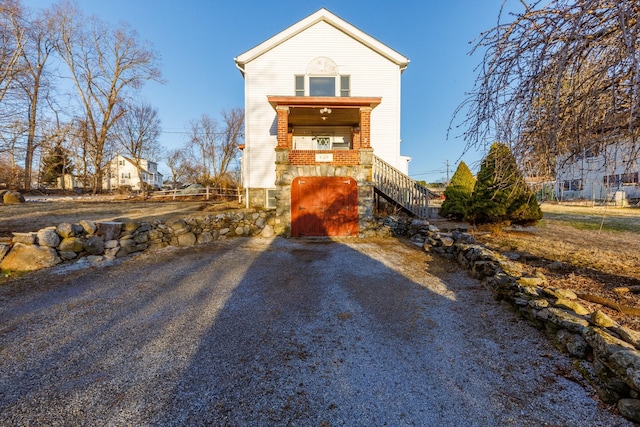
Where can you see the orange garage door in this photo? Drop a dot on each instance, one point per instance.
(324, 206)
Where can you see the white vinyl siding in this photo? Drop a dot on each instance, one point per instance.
(273, 73)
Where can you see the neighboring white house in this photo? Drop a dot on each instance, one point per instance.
(321, 97)
(610, 173)
(121, 171)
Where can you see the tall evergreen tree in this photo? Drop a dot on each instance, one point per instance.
(458, 193)
(501, 194)
(56, 164)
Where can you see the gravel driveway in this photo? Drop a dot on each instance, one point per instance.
(266, 332)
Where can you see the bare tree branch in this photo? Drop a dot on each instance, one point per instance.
(557, 80)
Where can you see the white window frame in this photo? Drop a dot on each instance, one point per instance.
(270, 198)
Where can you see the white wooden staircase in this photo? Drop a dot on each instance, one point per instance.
(400, 189)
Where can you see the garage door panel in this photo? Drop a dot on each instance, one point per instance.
(324, 206)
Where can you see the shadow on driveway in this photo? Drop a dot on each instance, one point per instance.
(275, 332)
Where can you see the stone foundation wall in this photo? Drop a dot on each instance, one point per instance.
(285, 174)
(361, 172)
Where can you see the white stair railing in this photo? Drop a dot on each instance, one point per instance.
(398, 187)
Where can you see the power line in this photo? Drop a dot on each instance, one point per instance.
(431, 172)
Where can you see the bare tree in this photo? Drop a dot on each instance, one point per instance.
(11, 129)
(11, 45)
(79, 147)
(561, 78)
(137, 132)
(12, 151)
(215, 146)
(34, 82)
(231, 138)
(105, 64)
(203, 134)
(176, 161)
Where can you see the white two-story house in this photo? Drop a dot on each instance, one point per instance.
(122, 172)
(322, 106)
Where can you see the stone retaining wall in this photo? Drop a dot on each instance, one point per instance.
(95, 242)
(605, 353)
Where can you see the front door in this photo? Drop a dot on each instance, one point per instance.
(324, 206)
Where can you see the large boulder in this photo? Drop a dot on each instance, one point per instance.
(29, 257)
(48, 237)
(88, 226)
(25, 238)
(94, 245)
(65, 230)
(268, 231)
(71, 244)
(187, 239)
(109, 230)
(12, 197)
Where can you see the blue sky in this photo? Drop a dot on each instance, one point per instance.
(198, 39)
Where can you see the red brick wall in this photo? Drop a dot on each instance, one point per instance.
(283, 127)
(365, 127)
(308, 157)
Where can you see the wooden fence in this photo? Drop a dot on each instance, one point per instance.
(208, 193)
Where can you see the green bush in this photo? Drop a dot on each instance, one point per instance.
(458, 193)
(500, 194)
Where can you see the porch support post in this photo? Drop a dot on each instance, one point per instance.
(365, 127)
(283, 177)
(283, 126)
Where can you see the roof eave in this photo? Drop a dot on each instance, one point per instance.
(328, 17)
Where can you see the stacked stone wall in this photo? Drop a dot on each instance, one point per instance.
(604, 352)
(94, 242)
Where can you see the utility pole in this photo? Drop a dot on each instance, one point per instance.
(447, 163)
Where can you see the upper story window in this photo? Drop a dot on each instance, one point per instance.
(322, 79)
(322, 86)
(300, 85)
(345, 85)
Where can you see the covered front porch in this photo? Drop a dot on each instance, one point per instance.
(323, 143)
(323, 130)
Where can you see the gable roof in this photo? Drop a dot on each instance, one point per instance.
(322, 15)
(118, 156)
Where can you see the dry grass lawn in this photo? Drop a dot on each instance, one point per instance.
(599, 249)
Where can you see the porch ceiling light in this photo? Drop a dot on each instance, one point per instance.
(324, 112)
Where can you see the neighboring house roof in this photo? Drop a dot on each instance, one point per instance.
(322, 15)
(132, 162)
